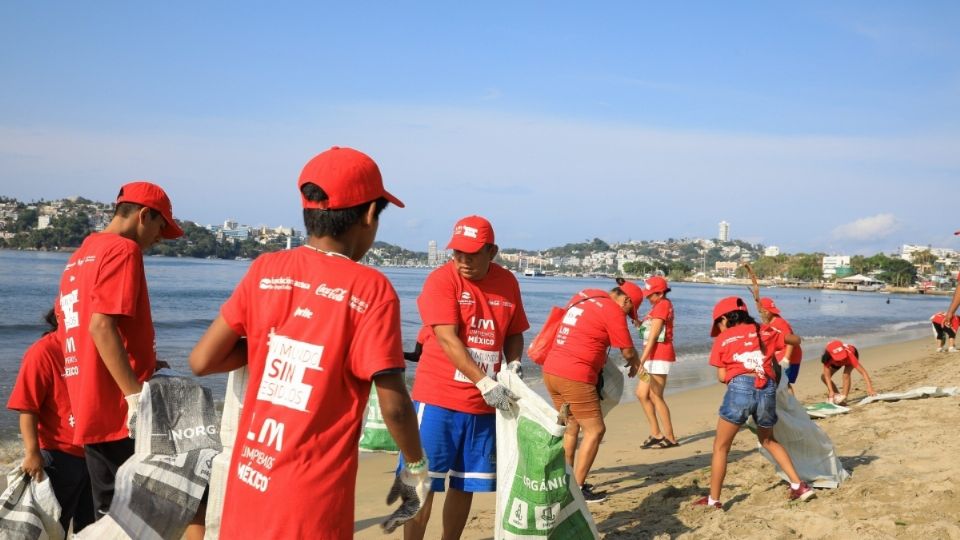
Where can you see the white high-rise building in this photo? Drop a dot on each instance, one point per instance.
(724, 233)
(432, 253)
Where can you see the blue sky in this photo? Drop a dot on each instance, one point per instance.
(809, 125)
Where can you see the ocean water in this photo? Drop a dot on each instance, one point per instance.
(186, 294)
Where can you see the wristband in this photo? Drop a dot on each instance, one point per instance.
(485, 384)
(416, 467)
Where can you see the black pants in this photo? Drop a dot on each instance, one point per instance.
(103, 460)
(944, 331)
(71, 485)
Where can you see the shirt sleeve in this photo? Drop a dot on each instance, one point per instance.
(234, 310)
(660, 311)
(854, 361)
(616, 324)
(716, 354)
(438, 302)
(33, 383)
(117, 286)
(376, 345)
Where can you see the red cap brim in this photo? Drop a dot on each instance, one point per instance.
(465, 245)
(393, 199)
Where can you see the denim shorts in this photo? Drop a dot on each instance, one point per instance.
(743, 400)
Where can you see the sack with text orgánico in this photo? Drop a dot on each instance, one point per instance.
(375, 436)
(537, 496)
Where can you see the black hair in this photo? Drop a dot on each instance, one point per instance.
(735, 317)
(319, 222)
(51, 319)
(124, 209)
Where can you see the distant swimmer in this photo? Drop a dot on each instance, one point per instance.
(888, 300)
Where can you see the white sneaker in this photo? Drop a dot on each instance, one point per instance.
(952, 349)
(940, 349)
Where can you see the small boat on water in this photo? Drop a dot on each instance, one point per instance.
(533, 272)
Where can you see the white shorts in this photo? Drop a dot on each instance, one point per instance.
(657, 367)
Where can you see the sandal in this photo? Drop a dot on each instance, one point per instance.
(651, 442)
(667, 443)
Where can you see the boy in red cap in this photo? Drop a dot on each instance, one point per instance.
(593, 322)
(314, 329)
(475, 310)
(770, 314)
(945, 332)
(46, 426)
(106, 330)
(657, 358)
(743, 355)
(842, 355)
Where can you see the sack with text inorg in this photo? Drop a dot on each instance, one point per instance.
(536, 494)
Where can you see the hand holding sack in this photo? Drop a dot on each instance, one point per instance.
(411, 487)
(496, 395)
(133, 403)
(516, 368)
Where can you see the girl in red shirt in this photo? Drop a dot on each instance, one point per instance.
(657, 358)
(743, 355)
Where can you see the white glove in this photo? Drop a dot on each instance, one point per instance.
(411, 487)
(496, 395)
(516, 368)
(133, 403)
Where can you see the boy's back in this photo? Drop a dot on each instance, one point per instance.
(318, 326)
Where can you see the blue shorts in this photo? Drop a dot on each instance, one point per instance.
(743, 400)
(791, 372)
(461, 445)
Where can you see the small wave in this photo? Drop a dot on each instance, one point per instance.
(895, 327)
(183, 323)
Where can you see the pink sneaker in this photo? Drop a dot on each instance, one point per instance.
(703, 502)
(802, 493)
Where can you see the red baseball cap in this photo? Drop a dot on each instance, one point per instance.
(470, 234)
(767, 304)
(349, 177)
(635, 293)
(838, 350)
(655, 284)
(152, 196)
(724, 306)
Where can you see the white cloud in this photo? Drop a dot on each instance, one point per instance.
(868, 228)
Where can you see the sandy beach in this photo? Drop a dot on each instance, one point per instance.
(901, 456)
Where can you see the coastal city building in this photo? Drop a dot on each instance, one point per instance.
(771, 251)
(726, 268)
(836, 266)
(724, 232)
(432, 259)
(907, 251)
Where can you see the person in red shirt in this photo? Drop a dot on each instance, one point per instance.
(475, 310)
(743, 355)
(770, 314)
(314, 329)
(46, 426)
(106, 330)
(944, 332)
(594, 321)
(657, 358)
(842, 355)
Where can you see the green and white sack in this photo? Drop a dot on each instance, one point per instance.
(537, 496)
(376, 437)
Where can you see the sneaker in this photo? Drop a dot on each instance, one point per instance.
(702, 501)
(590, 497)
(802, 493)
(940, 349)
(952, 349)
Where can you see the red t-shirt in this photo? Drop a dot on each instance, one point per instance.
(104, 276)
(318, 328)
(938, 319)
(738, 350)
(662, 310)
(784, 327)
(588, 329)
(40, 389)
(485, 313)
(851, 359)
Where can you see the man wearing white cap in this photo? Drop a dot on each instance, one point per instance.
(474, 317)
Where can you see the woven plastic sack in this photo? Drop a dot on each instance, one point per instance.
(29, 510)
(375, 436)
(537, 496)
